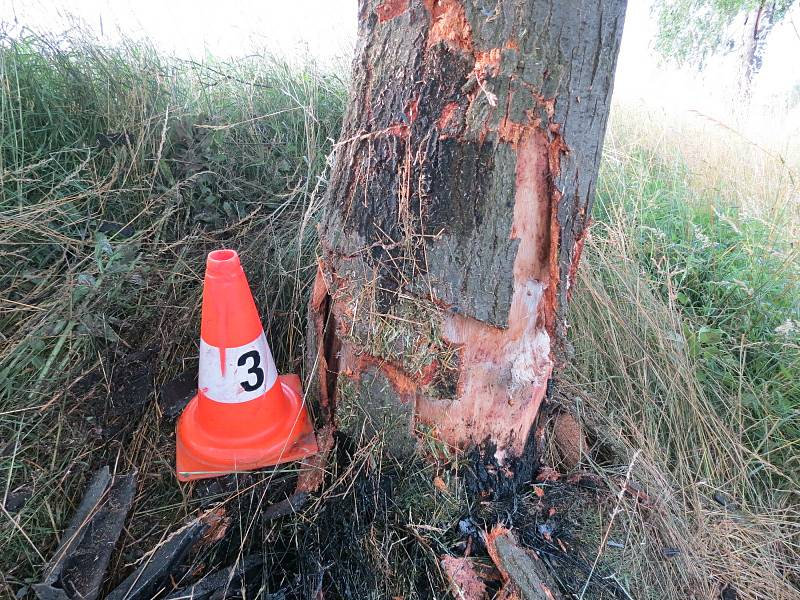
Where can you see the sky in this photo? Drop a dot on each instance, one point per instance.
(326, 29)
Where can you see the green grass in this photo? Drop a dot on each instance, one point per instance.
(686, 352)
(733, 274)
(120, 169)
(685, 319)
(736, 281)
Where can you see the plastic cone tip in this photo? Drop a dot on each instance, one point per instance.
(238, 374)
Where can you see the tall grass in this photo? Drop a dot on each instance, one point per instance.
(119, 170)
(713, 221)
(685, 325)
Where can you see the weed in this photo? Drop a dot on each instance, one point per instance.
(681, 354)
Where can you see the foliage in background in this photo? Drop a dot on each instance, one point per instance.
(686, 327)
(691, 31)
(724, 253)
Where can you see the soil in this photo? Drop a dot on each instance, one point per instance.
(176, 393)
(113, 397)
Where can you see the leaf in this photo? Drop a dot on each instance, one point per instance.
(97, 325)
(102, 245)
(709, 335)
(166, 172)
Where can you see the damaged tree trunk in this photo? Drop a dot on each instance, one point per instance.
(457, 208)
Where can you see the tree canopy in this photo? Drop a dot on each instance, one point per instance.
(691, 31)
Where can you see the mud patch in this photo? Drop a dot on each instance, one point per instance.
(176, 394)
(114, 397)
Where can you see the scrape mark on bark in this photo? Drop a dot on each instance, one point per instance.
(580, 240)
(451, 121)
(449, 25)
(389, 9)
(487, 62)
(324, 325)
(504, 371)
(354, 361)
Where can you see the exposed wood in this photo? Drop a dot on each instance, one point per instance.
(455, 215)
(465, 583)
(525, 574)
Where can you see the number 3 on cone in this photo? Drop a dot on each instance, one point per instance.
(254, 369)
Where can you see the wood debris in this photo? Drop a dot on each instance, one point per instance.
(524, 574)
(465, 583)
(78, 566)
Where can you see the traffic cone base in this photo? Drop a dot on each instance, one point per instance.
(199, 455)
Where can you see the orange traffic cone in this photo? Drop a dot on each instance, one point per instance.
(244, 416)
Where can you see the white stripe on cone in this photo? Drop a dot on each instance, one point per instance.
(249, 371)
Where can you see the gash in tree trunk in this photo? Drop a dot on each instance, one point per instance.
(457, 208)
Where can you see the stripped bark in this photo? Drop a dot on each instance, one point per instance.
(78, 566)
(456, 212)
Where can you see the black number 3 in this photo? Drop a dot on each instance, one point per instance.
(254, 369)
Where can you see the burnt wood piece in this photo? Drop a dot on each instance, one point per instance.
(525, 574)
(282, 508)
(152, 574)
(176, 393)
(223, 583)
(79, 564)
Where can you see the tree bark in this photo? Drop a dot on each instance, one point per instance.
(456, 212)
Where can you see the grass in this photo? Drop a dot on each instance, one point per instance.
(121, 168)
(685, 331)
(722, 253)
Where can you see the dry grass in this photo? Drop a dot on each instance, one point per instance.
(102, 242)
(721, 496)
(235, 155)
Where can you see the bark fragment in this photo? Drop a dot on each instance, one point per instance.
(465, 583)
(222, 583)
(78, 566)
(569, 439)
(524, 573)
(152, 575)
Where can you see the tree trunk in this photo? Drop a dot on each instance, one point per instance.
(758, 24)
(456, 213)
(752, 22)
